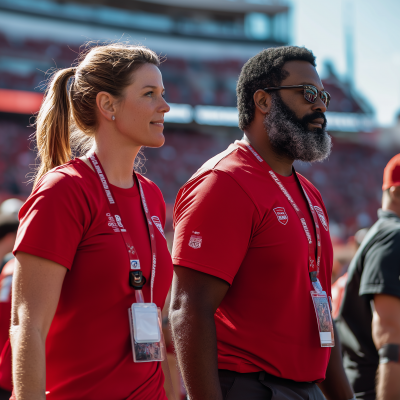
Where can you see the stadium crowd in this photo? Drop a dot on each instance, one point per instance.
(351, 193)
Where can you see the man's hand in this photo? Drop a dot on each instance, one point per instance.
(385, 330)
(195, 298)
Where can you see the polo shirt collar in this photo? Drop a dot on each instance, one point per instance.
(387, 214)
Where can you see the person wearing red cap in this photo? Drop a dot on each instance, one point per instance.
(369, 317)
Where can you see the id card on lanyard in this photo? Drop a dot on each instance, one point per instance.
(322, 305)
(144, 318)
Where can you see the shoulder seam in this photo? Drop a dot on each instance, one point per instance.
(195, 176)
(237, 183)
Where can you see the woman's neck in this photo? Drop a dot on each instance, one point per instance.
(117, 161)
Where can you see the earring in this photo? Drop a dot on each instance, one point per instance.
(113, 117)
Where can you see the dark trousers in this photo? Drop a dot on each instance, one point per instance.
(4, 394)
(263, 386)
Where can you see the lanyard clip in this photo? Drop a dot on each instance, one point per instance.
(313, 276)
(136, 279)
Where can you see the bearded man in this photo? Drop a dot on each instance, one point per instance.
(252, 252)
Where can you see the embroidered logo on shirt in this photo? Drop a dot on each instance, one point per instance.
(321, 216)
(195, 240)
(281, 215)
(158, 224)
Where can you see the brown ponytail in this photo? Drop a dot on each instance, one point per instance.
(67, 117)
(52, 132)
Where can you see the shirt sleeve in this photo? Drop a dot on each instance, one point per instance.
(381, 274)
(52, 220)
(214, 221)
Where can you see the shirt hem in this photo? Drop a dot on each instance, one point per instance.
(241, 369)
(202, 268)
(43, 254)
(249, 368)
(379, 289)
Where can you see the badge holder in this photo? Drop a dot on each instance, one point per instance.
(147, 337)
(323, 314)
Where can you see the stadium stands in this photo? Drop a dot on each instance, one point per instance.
(207, 82)
(349, 181)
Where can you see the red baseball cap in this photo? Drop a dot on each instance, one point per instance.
(391, 173)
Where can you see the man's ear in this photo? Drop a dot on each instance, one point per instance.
(106, 104)
(395, 193)
(262, 101)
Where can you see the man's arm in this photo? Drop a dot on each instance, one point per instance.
(195, 298)
(336, 385)
(386, 330)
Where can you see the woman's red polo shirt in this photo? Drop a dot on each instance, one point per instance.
(88, 348)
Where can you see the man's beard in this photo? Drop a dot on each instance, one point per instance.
(291, 136)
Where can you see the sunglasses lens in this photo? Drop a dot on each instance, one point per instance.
(310, 94)
(325, 98)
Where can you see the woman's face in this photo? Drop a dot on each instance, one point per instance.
(140, 113)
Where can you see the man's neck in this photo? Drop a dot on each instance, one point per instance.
(391, 208)
(279, 164)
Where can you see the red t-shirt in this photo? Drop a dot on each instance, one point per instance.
(233, 222)
(88, 347)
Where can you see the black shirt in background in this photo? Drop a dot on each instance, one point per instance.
(374, 269)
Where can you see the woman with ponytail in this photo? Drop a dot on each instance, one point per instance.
(91, 245)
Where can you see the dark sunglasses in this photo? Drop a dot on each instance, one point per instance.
(310, 93)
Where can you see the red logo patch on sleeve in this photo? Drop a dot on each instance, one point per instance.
(195, 241)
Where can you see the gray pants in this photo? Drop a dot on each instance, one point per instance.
(263, 386)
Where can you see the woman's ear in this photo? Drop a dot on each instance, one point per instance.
(106, 105)
(262, 101)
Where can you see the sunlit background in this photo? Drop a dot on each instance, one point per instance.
(206, 43)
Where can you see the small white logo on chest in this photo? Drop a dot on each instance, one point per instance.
(281, 215)
(321, 216)
(158, 224)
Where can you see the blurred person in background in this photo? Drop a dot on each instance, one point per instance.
(8, 231)
(339, 284)
(8, 228)
(252, 241)
(75, 278)
(369, 316)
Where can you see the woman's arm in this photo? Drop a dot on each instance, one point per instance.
(36, 290)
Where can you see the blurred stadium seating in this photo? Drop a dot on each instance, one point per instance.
(349, 181)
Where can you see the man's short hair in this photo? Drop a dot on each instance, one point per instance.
(263, 70)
